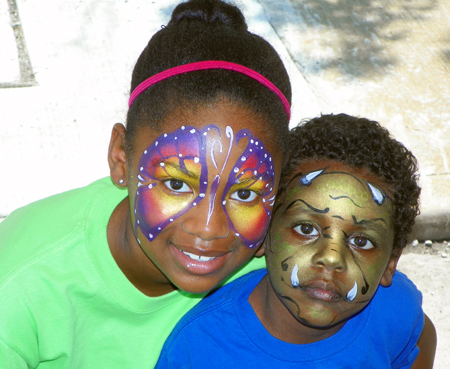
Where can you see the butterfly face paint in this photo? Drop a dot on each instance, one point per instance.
(181, 169)
(330, 243)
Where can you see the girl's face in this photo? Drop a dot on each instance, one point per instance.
(330, 243)
(201, 193)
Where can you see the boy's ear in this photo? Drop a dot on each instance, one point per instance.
(386, 279)
(117, 157)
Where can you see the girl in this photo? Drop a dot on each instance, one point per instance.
(98, 276)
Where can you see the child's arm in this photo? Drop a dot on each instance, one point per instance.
(427, 346)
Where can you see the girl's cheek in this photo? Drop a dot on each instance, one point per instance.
(155, 210)
(250, 222)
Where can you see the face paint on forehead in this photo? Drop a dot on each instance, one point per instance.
(377, 195)
(185, 148)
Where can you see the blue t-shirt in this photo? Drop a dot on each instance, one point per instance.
(223, 331)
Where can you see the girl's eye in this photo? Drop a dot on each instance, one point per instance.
(306, 229)
(244, 195)
(177, 185)
(361, 243)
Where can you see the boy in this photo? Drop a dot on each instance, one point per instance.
(331, 296)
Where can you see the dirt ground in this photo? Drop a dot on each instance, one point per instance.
(429, 268)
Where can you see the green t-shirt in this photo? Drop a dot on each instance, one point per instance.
(64, 302)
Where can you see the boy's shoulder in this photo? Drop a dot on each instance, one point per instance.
(219, 302)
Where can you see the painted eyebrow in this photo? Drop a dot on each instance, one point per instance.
(345, 197)
(321, 211)
(179, 168)
(370, 222)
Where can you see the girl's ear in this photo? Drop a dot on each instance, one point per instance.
(386, 279)
(260, 251)
(117, 157)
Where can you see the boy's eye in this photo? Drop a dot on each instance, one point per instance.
(306, 229)
(361, 242)
(177, 185)
(244, 195)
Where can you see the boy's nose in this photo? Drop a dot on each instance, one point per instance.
(330, 255)
(207, 220)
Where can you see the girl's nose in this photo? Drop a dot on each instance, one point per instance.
(207, 220)
(330, 255)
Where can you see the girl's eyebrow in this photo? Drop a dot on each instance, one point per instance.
(181, 169)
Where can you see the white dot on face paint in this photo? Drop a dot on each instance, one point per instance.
(224, 202)
(165, 134)
(237, 234)
(202, 195)
(243, 158)
(141, 169)
(161, 164)
(192, 130)
(252, 141)
(156, 143)
(176, 137)
(150, 235)
(183, 128)
(236, 170)
(194, 204)
(137, 221)
(145, 151)
(196, 160)
(180, 155)
(159, 228)
(170, 220)
(150, 186)
(256, 143)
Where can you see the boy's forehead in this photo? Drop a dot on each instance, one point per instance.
(330, 180)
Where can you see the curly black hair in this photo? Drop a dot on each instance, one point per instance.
(362, 143)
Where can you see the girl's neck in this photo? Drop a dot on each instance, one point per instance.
(279, 321)
(130, 258)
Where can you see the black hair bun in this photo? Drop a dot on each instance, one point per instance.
(209, 11)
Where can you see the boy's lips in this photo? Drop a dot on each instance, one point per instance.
(197, 261)
(322, 290)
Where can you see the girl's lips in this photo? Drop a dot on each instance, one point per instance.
(198, 264)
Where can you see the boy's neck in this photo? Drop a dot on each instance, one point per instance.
(279, 321)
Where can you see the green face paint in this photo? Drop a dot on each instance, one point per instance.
(330, 243)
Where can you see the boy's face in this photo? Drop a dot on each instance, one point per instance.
(201, 193)
(330, 243)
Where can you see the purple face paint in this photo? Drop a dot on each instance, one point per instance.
(180, 159)
(180, 154)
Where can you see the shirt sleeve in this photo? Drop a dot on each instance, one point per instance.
(411, 315)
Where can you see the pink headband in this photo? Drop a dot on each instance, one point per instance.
(209, 64)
